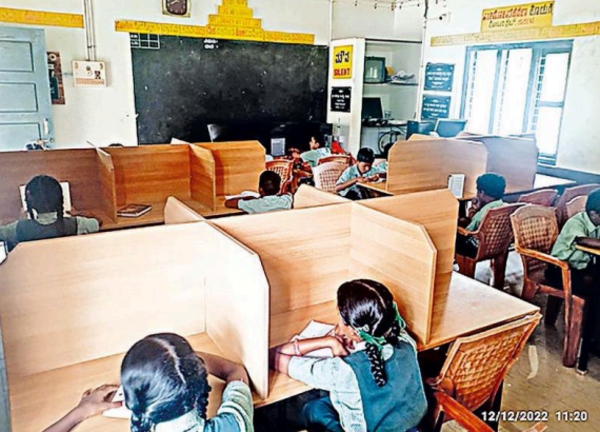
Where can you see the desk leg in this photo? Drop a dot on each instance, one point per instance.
(589, 330)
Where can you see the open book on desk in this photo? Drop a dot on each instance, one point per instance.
(313, 330)
(245, 194)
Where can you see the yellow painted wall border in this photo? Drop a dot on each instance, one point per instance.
(40, 18)
(554, 32)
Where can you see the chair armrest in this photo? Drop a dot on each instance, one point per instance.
(467, 233)
(460, 414)
(541, 256)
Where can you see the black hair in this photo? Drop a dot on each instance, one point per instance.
(368, 304)
(593, 202)
(163, 379)
(270, 182)
(366, 155)
(43, 194)
(319, 137)
(492, 185)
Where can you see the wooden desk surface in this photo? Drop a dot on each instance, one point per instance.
(39, 400)
(588, 250)
(543, 181)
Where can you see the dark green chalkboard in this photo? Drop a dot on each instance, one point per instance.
(189, 83)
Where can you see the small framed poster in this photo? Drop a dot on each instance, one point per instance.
(435, 107)
(341, 99)
(89, 74)
(57, 89)
(439, 77)
(342, 62)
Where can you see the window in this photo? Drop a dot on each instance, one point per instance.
(518, 89)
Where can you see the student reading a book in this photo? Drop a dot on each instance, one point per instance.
(45, 207)
(166, 388)
(376, 388)
(317, 151)
(363, 171)
(270, 199)
(490, 191)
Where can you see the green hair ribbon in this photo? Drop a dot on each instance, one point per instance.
(379, 342)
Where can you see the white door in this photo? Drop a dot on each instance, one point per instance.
(25, 105)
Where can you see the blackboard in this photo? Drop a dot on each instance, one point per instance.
(435, 107)
(189, 83)
(439, 77)
(341, 99)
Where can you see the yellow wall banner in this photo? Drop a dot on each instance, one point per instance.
(30, 17)
(342, 62)
(527, 16)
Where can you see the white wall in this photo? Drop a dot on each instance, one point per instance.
(580, 134)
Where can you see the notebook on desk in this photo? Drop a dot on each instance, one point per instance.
(3, 251)
(66, 197)
(121, 412)
(316, 329)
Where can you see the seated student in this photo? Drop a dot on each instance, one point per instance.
(166, 389)
(376, 388)
(363, 171)
(316, 152)
(270, 199)
(490, 191)
(45, 202)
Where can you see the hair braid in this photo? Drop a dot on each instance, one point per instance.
(377, 365)
(140, 423)
(394, 335)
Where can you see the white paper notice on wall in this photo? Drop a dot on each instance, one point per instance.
(89, 74)
(456, 184)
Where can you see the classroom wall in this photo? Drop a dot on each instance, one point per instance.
(578, 145)
(107, 115)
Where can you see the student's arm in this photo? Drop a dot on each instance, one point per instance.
(92, 403)
(224, 369)
(235, 202)
(342, 186)
(8, 234)
(588, 242)
(280, 356)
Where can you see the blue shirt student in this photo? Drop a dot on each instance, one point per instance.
(270, 199)
(361, 172)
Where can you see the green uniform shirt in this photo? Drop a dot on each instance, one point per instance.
(353, 172)
(476, 221)
(266, 204)
(312, 156)
(564, 249)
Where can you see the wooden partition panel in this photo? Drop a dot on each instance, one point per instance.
(106, 172)
(238, 165)
(417, 166)
(203, 177)
(150, 174)
(400, 255)
(177, 212)
(304, 252)
(93, 296)
(308, 196)
(79, 167)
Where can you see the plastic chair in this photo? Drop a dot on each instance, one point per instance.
(576, 206)
(327, 175)
(475, 369)
(284, 168)
(495, 237)
(535, 231)
(341, 159)
(568, 195)
(544, 197)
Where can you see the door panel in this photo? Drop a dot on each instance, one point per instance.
(25, 105)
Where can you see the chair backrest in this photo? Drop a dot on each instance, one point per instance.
(576, 206)
(495, 232)
(544, 197)
(341, 159)
(282, 167)
(568, 195)
(327, 175)
(476, 365)
(536, 228)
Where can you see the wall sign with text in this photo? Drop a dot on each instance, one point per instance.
(436, 107)
(342, 62)
(520, 17)
(57, 89)
(341, 99)
(439, 77)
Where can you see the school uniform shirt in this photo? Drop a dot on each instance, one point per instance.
(234, 415)
(564, 249)
(266, 204)
(312, 156)
(353, 172)
(476, 221)
(362, 406)
(12, 233)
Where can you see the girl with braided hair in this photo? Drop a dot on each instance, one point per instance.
(377, 388)
(45, 207)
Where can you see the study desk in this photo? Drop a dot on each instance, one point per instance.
(469, 307)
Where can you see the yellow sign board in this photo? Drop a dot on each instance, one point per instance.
(520, 17)
(342, 62)
(39, 18)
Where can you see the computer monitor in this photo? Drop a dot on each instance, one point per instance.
(419, 127)
(447, 128)
(372, 108)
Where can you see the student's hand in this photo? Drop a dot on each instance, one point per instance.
(375, 178)
(361, 180)
(337, 346)
(474, 208)
(95, 402)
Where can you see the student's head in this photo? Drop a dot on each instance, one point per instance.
(317, 140)
(269, 183)
(43, 194)
(368, 312)
(490, 187)
(163, 379)
(365, 158)
(592, 207)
